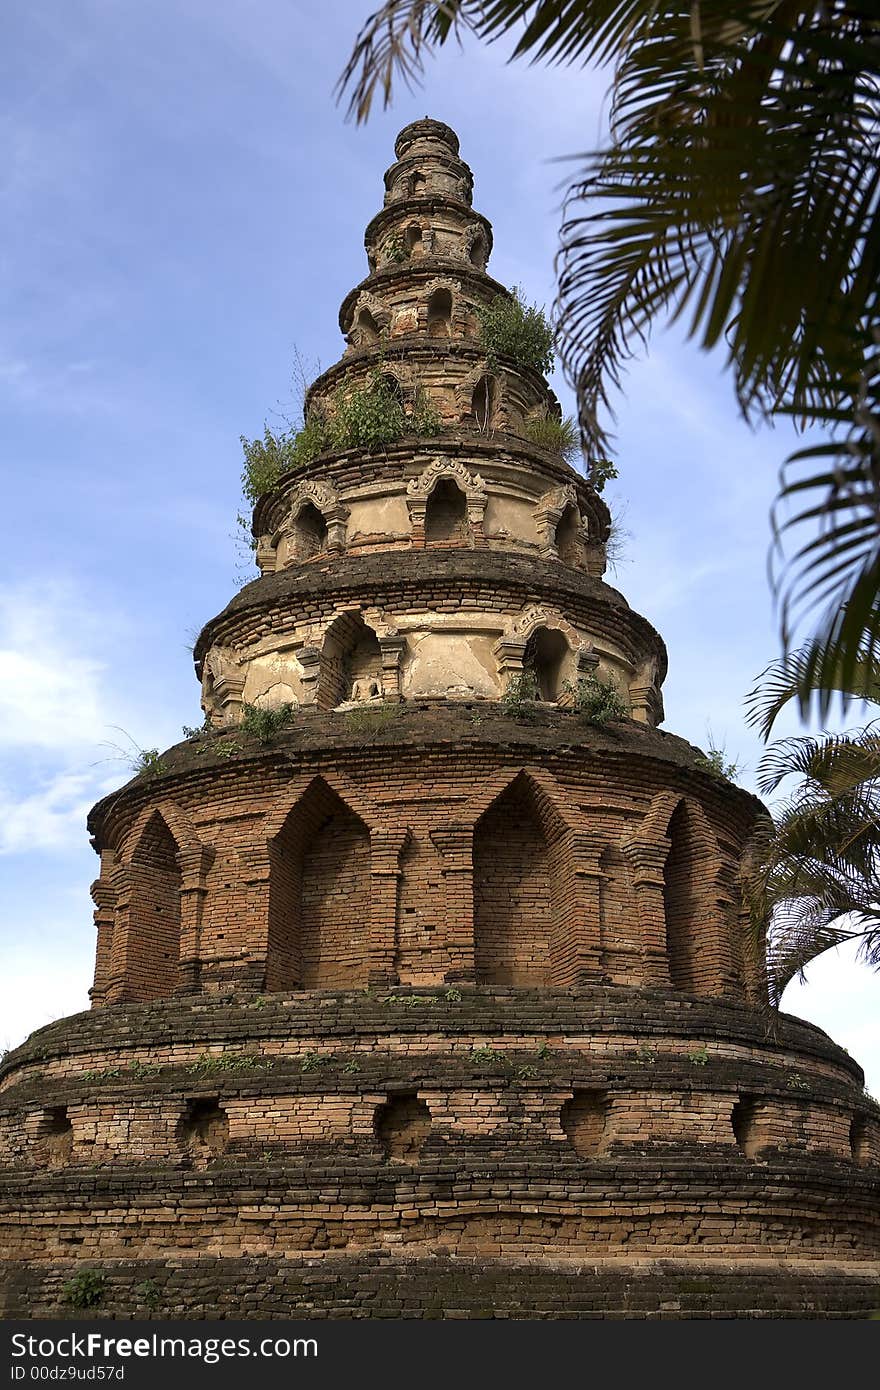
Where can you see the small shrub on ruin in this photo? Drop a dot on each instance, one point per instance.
(266, 459)
(555, 435)
(373, 416)
(148, 1293)
(86, 1289)
(192, 733)
(517, 331)
(597, 701)
(522, 690)
(311, 1061)
(716, 762)
(148, 762)
(396, 250)
(266, 724)
(371, 719)
(488, 1057)
(208, 1063)
(423, 418)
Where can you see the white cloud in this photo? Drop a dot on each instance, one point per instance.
(50, 687)
(60, 745)
(53, 816)
(60, 981)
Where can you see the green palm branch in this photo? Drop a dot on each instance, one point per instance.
(812, 879)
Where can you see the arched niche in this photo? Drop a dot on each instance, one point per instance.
(439, 313)
(745, 1123)
(223, 680)
(447, 522)
(568, 537)
(521, 870)
(547, 659)
(477, 248)
(686, 899)
(401, 1126)
(446, 512)
(416, 185)
(484, 402)
(203, 1129)
(316, 522)
(681, 899)
(413, 241)
(584, 1118)
(309, 532)
(350, 664)
(366, 329)
(319, 895)
(55, 1137)
(152, 966)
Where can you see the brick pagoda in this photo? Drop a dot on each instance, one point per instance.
(438, 998)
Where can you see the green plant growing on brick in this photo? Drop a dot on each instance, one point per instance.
(140, 1070)
(647, 1054)
(266, 724)
(716, 762)
(601, 471)
(517, 331)
(367, 417)
(192, 733)
(423, 419)
(412, 1001)
(521, 690)
(526, 1072)
(396, 250)
(312, 1061)
(371, 719)
(597, 701)
(268, 458)
(86, 1289)
(351, 1066)
(699, 1056)
(148, 1293)
(149, 763)
(228, 748)
(208, 1063)
(557, 436)
(542, 1051)
(488, 1056)
(452, 996)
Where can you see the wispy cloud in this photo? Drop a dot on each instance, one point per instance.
(58, 715)
(50, 688)
(53, 815)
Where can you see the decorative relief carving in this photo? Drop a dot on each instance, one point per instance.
(376, 319)
(303, 542)
(419, 490)
(548, 514)
(471, 484)
(464, 396)
(223, 678)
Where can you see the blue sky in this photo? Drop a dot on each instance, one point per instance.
(182, 206)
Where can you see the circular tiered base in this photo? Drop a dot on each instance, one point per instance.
(459, 1151)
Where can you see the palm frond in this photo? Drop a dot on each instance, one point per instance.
(790, 678)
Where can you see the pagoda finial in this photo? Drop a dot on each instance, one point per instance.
(426, 129)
